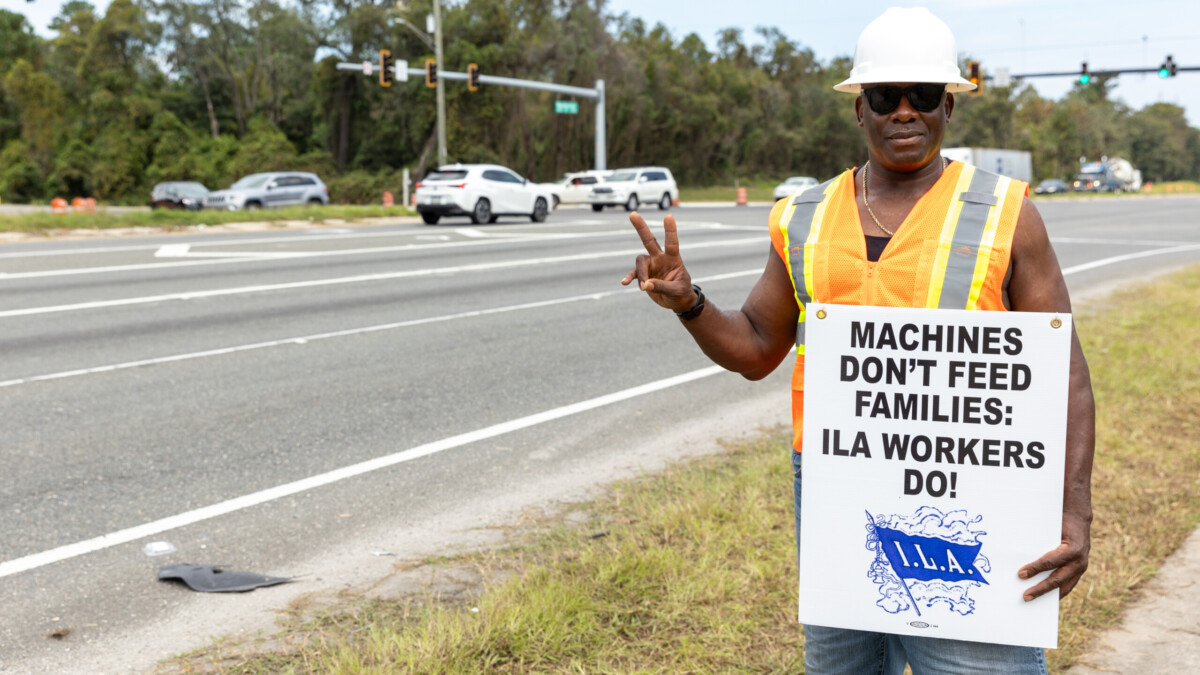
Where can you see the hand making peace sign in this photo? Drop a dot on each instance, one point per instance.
(661, 272)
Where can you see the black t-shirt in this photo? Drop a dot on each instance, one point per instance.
(875, 246)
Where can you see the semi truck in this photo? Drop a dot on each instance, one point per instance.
(1110, 174)
(1012, 163)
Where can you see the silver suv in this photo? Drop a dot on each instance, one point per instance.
(277, 188)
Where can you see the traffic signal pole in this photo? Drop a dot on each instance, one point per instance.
(441, 90)
(596, 94)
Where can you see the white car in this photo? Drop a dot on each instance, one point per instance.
(793, 185)
(483, 192)
(634, 186)
(573, 188)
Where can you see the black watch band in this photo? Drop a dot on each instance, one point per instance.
(696, 308)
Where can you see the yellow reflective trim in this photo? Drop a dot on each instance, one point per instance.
(814, 232)
(785, 219)
(987, 241)
(937, 276)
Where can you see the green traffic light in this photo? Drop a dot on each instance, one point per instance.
(1084, 79)
(1163, 72)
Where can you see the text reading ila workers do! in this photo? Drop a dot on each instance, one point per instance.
(981, 403)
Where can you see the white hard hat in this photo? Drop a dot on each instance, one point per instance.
(906, 45)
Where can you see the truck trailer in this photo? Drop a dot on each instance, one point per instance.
(1012, 163)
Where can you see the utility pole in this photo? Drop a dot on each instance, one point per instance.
(441, 90)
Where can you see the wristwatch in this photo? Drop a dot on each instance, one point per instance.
(696, 308)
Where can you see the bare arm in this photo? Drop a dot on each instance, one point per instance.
(750, 341)
(1037, 285)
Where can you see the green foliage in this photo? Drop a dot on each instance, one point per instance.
(211, 90)
(1162, 144)
(20, 178)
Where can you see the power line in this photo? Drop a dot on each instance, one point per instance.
(1084, 45)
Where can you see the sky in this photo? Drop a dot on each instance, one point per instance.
(1025, 36)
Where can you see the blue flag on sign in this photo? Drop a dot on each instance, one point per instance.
(925, 558)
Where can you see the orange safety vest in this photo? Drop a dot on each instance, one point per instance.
(952, 251)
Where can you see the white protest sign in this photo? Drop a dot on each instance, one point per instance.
(934, 445)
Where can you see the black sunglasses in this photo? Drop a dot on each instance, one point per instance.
(923, 97)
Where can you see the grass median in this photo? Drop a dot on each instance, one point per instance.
(692, 569)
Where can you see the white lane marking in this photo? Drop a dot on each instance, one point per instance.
(127, 535)
(205, 240)
(184, 251)
(472, 232)
(248, 255)
(1130, 256)
(383, 276)
(172, 251)
(342, 333)
(1118, 242)
(311, 254)
(322, 235)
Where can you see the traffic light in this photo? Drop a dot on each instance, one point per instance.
(974, 76)
(472, 77)
(430, 73)
(1168, 68)
(385, 68)
(1084, 78)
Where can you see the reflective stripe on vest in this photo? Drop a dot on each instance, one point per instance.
(964, 246)
(810, 205)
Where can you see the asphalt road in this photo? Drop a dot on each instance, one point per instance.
(293, 403)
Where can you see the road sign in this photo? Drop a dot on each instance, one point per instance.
(566, 107)
(1001, 77)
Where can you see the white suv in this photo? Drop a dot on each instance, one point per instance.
(634, 186)
(573, 188)
(483, 192)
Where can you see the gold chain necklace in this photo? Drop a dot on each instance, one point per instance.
(866, 169)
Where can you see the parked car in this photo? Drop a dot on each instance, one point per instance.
(178, 195)
(273, 189)
(1051, 186)
(483, 192)
(573, 188)
(793, 185)
(633, 186)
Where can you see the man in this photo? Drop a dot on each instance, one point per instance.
(877, 238)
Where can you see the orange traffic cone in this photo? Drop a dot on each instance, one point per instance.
(58, 205)
(387, 198)
(741, 196)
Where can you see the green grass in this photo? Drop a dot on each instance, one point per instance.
(174, 219)
(695, 569)
(756, 191)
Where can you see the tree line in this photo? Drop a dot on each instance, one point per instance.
(211, 90)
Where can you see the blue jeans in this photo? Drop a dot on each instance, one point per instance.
(855, 652)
